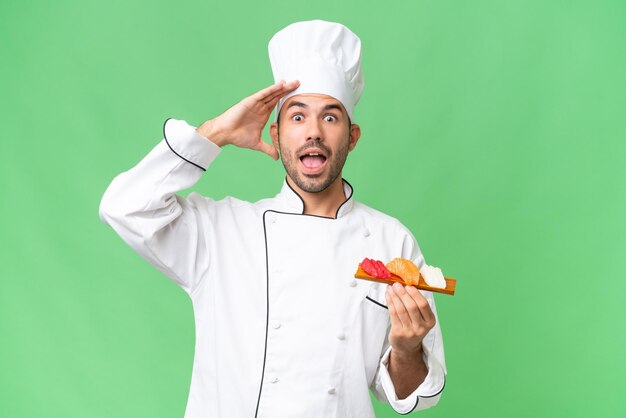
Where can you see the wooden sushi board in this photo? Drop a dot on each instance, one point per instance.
(449, 289)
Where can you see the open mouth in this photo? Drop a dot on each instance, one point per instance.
(313, 161)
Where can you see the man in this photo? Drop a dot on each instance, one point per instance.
(282, 327)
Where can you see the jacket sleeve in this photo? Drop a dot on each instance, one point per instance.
(428, 393)
(167, 230)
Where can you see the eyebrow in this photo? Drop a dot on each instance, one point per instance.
(304, 105)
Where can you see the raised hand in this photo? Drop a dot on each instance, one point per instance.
(242, 124)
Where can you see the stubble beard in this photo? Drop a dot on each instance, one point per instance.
(315, 183)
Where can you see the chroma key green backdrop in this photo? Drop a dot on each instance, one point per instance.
(494, 129)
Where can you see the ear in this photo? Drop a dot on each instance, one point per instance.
(274, 135)
(355, 134)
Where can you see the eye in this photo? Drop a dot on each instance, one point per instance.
(297, 117)
(330, 118)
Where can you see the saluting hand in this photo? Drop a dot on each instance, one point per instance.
(242, 124)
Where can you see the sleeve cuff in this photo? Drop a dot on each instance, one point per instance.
(425, 395)
(188, 144)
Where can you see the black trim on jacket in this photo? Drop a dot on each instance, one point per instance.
(320, 216)
(168, 144)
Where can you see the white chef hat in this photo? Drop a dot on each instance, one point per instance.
(324, 56)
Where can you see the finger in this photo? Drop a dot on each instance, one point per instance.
(410, 304)
(263, 94)
(275, 89)
(267, 149)
(423, 305)
(400, 309)
(287, 88)
(272, 102)
(393, 315)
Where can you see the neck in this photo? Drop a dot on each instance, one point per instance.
(324, 203)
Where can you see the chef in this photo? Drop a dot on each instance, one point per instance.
(282, 327)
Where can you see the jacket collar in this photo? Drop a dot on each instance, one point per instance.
(295, 204)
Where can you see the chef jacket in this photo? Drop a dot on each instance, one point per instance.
(282, 327)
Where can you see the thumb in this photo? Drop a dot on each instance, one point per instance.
(267, 149)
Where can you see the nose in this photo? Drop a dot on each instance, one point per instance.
(314, 131)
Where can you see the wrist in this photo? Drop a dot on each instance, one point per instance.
(212, 133)
(407, 355)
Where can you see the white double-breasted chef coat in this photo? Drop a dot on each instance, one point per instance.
(282, 327)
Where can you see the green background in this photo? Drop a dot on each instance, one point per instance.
(495, 130)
